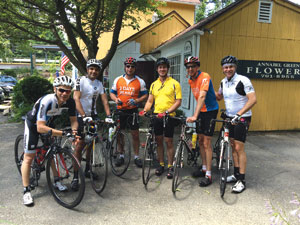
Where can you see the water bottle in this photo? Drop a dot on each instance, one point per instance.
(194, 141)
(111, 133)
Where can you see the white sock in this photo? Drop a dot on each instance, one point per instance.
(136, 157)
(122, 156)
(204, 167)
(208, 173)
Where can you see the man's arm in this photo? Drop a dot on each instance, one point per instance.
(175, 106)
(200, 103)
(79, 108)
(149, 103)
(141, 99)
(42, 128)
(219, 96)
(249, 104)
(74, 123)
(105, 104)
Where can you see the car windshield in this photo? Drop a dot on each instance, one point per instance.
(6, 79)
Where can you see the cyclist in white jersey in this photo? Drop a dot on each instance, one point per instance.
(39, 120)
(87, 90)
(239, 97)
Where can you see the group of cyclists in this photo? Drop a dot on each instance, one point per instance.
(128, 91)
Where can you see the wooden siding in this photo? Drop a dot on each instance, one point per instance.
(238, 33)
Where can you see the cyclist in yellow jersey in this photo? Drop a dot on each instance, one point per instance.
(166, 92)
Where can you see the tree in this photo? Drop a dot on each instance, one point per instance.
(85, 20)
(209, 7)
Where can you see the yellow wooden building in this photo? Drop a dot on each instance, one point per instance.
(185, 8)
(265, 36)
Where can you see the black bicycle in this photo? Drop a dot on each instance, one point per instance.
(224, 152)
(149, 150)
(60, 166)
(184, 144)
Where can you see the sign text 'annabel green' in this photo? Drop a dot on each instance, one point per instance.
(269, 69)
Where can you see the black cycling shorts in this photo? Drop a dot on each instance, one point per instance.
(239, 132)
(159, 129)
(31, 137)
(204, 126)
(129, 121)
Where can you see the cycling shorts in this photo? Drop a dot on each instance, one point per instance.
(168, 130)
(128, 120)
(204, 126)
(31, 137)
(239, 132)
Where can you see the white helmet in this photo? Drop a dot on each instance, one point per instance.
(63, 81)
(94, 62)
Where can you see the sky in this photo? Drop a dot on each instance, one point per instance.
(296, 1)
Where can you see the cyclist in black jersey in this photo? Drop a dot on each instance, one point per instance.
(38, 120)
(239, 97)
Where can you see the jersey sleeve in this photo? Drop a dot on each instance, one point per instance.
(114, 87)
(143, 90)
(78, 84)
(248, 87)
(178, 94)
(204, 85)
(151, 89)
(101, 88)
(220, 91)
(42, 110)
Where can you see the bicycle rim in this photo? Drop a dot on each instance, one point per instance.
(177, 166)
(223, 170)
(72, 196)
(147, 161)
(98, 166)
(120, 146)
(19, 152)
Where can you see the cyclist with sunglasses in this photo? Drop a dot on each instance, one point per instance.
(206, 109)
(39, 120)
(87, 90)
(166, 93)
(128, 91)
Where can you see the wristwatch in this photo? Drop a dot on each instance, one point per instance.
(167, 112)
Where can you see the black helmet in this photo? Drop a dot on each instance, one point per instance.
(229, 60)
(161, 61)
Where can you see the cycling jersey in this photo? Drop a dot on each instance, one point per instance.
(90, 90)
(126, 89)
(202, 82)
(47, 107)
(235, 93)
(165, 94)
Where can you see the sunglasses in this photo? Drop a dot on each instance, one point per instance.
(129, 66)
(193, 66)
(61, 90)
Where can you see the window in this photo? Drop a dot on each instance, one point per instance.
(265, 11)
(175, 67)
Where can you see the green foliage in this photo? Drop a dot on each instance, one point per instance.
(209, 7)
(26, 92)
(9, 72)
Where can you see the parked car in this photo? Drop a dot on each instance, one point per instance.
(9, 80)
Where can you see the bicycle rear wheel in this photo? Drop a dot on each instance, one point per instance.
(120, 148)
(98, 166)
(147, 161)
(178, 165)
(73, 195)
(223, 169)
(19, 151)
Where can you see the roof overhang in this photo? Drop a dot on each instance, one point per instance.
(49, 47)
(187, 2)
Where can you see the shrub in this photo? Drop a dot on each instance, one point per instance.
(26, 92)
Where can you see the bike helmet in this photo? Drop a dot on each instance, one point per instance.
(161, 61)
(229, 60)
(63, 81)
(130, 60)
(94, 62)
(192, 59)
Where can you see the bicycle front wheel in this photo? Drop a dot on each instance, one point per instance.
(223, 169)
(120, 153)
(177, 165)
(147, 160)
(57, 169)
(19, 151)
(98, 166)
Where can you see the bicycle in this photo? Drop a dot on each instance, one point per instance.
(59, 160)
(98, 158)
(119, 144)
(149, 150)
(224, 153)
(183, 143)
